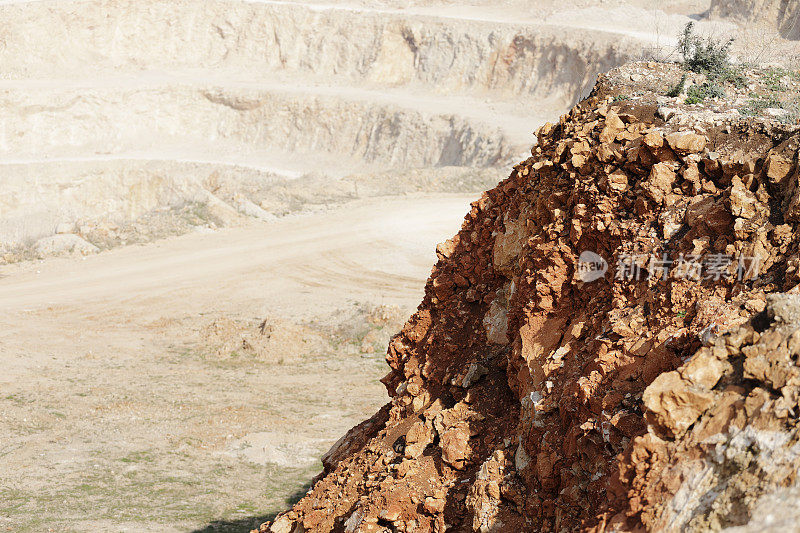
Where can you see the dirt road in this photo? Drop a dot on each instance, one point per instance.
(120, 411)
(382, 249)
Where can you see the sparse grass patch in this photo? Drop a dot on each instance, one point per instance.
(758, 103)
(777, 89)
(138, 457)
(154, 495)
(774, 77)
(11, 500)
(17, 399)
(733, 75)
(699, 93)
(156, 456)
(677, 89)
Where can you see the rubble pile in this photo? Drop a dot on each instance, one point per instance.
(586, 356)
(723, 424)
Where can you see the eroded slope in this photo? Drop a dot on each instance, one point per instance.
(520, 386)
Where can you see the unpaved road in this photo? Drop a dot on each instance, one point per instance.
(117, 413)
(366, 249)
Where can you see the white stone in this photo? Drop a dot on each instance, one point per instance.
(58, 244)
(65, 227)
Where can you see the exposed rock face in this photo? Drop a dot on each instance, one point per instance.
(63, 243)
(383, 46)
(610, 261)
(299, 122)
(734, 444)
(135, 106)
(783, 15)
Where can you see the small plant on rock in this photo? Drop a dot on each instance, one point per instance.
(678, 88)
(778, 79)
(758, 103)
(704, 55)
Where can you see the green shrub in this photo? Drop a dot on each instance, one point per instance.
(704, 55)
(734, 76)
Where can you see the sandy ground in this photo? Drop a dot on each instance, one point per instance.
(132, 401)
(192, 383)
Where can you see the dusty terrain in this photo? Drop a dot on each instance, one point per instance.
(214, 216)
(136, 405)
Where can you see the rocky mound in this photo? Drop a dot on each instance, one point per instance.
(567, 368)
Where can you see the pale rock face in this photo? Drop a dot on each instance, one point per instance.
(58, 244)
(394, 64)
(773, 513)
(484, 498)
(455, 445)
(675, 404)
(723, 474)
(729, 453)
(660, 181)
(782, 15)
(686, 143)
(285, 38)
(496, 323)
(417, 439)
(282, 525)
(133, 93)
(65, 227)
(521, 458)
(508, 245)
(310, 125)
(353, 522)
(778, 168)
(248, 208)
(115, 192)
(743, 201)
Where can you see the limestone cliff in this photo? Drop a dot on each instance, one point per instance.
(114, 111)
(783, 15)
